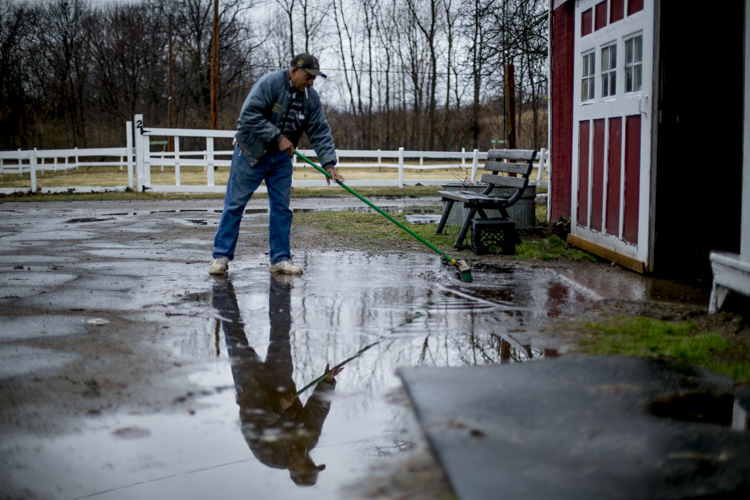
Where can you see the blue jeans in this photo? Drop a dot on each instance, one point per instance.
(276, 170)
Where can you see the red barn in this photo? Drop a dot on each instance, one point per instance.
(647, 131)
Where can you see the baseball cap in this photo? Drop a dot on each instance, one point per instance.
(309, 63)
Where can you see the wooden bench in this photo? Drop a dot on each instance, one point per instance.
(499, 162)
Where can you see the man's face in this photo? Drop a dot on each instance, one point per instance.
(301, 79)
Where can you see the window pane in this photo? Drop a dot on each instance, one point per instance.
(638, 78)
(628, 79)
(605, 84)
(591, 87)
(613, 56)
(584, 91)
(605, 59)
(638, 49)
(593, 64)
(629, 51)
(613, 83)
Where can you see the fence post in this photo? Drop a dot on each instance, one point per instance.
(380, 162)
(176, 141)
(146, 143)
(129, 151)
(463, 157)
(139, 153)
(474, 165)
(210, 160)
(540, 170)
(401, 168)
(549, 183)
(76, 148)
(32, 169)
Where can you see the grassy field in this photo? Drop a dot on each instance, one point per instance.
(305, 192)
(196, 176)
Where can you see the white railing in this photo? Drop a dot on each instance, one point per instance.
(210, 158)
(139, 160)
(36, 162)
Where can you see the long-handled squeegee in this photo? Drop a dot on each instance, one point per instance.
(461, 265)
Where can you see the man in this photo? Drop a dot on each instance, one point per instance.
(280, 107)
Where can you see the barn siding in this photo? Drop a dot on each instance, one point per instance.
(632, 177)
(563, 39)
(613, 176)
(583, 174)
(597, 177)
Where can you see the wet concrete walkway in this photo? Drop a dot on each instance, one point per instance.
(580, 427)
(127, 371)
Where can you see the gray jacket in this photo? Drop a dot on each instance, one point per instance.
(263, 111)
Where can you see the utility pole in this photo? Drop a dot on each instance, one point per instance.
(215, 69)
(510, 106)
(170, 100)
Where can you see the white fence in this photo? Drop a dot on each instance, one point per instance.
(37, 162)
(137, 155)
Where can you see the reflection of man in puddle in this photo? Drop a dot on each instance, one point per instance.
(278, 428)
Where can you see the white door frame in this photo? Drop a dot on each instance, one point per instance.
(621, 105)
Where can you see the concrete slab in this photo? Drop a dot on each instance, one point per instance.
(584, 427)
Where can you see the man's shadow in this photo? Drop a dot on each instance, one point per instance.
(278, 428)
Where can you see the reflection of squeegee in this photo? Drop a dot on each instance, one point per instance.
(359, 353)
(461, 265)
(315, 382)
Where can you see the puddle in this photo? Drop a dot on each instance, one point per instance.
(29, 327)
(88, 219)
(423, 219)
(254, 343)
(368, 315)
(704, 408)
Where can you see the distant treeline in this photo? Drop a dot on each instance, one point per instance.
(422, 74)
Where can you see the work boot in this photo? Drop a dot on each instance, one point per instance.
(219, 266)
(285, 267)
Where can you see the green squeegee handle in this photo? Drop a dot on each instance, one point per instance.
(433, 247)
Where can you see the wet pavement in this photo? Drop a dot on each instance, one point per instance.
(127, 371)
(580, 427)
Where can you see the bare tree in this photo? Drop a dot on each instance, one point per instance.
(16, 23)
(427, 19)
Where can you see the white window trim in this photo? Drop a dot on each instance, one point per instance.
(625, 39)
(616, 44)
(583, 55)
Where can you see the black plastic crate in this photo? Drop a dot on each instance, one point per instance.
(493, 236)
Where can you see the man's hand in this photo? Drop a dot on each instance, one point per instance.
(335, 372)
(286, 146)
(334, 174)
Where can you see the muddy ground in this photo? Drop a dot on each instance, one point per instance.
(114, 378)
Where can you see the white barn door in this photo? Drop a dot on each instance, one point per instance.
(612, 122)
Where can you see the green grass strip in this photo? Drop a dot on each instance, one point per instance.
(646, 337)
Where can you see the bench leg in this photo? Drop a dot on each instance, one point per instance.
(481, 213)
(444, 218)
(464, 228)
